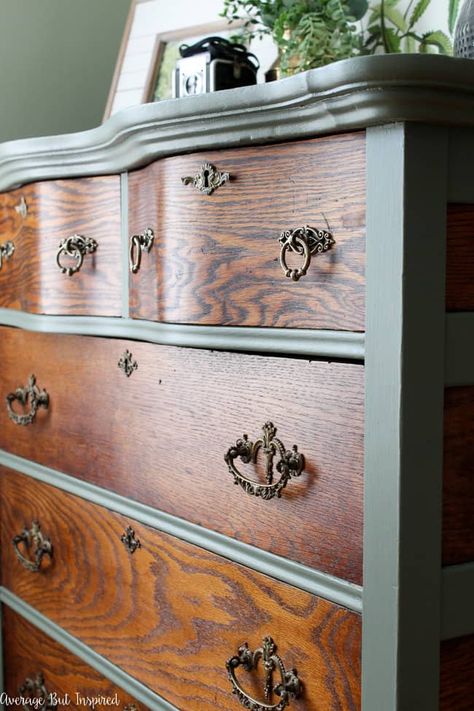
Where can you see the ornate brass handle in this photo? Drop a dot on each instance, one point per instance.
(291, 462)
(75, 247)
(207, 180)
(36, 689)
(305, 241)
(6, 251)
(288, 688)
(138, 244)
(31, 393)
(30, 538)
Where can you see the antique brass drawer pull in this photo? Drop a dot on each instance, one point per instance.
(207, 180)
(35, 690)
(305, 241)
(31, 394)
(138, 244)
(75, 247)
(6, 251)
(288, 688)
(290, 464)
(30, 538)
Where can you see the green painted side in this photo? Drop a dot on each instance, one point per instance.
(58, 58)
(79, 649)
(405, 341)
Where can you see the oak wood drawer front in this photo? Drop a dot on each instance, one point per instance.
(31, 280)
(215, 258)
(460, 258)
(171, 614)
(160, 436)
(28, 651)
(457, 674)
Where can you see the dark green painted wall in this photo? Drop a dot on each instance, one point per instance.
(57, 60)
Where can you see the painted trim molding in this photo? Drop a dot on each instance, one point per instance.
(286, 341)
(457, 594)
(347, 95)
(459, 349)
(133, 687)
(301, 576)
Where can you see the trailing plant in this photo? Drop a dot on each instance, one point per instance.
(312, 33)
(308, 33)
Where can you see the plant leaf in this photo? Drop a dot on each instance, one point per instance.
(440, 40)
(396, 18)
(392, 41)
(418, 11)
(452, 14)
(357, 8)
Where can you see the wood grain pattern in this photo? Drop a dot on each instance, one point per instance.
(215, 259)
(458, 495)
(460, 258)
(160, 436)
(171, 614)
(31, 280)
(457, 674)
(29, 651)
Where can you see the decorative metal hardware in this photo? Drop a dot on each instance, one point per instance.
(127, 364)
(290, 465)
(6, 251)
(305, 241)
(22, 207)
(130, 707)
(30, 538)
(138, 244)
(289, 687)
(75, 247)
(129, 540)
(35, 689)
(207, 180)
(30, 394)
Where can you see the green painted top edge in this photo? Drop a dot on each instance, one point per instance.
(347, 95)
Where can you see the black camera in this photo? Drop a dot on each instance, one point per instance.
(213, 64)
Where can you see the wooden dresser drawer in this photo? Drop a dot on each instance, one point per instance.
(216, 258)
(171, 614)
(160, 436)
(35, 219)
(67, 679)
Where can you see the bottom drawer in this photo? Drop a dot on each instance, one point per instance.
(34, 660)
(171, 614)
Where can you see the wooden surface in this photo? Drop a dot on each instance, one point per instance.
(160, 436)
(457, 674)
(29, 651)
(215, 259)
(171, 614)
(458, 503)
(460, 258)
(31, 280)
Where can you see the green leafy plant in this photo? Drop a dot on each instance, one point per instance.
(393, 31)
(308, 33)
(312, 33)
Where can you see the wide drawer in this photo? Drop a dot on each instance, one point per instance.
(215, 258)
(160, 436)
(171, 614)
(34, 220)
(33, 660)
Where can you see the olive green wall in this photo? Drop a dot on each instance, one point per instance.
(57, 60)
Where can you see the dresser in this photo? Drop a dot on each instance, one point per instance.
(237, 414)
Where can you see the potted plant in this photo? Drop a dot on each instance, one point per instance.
(312, 33)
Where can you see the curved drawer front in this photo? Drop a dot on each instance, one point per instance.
(36, 219)
(66, 678)
(171, 614)
(161, 435)
(215, 258)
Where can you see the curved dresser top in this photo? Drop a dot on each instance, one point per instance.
(347, 95)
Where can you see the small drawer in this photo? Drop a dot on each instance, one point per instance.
(215, 258)
(35, 221)
(163, 435)
(171, 614)
(37, 667)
